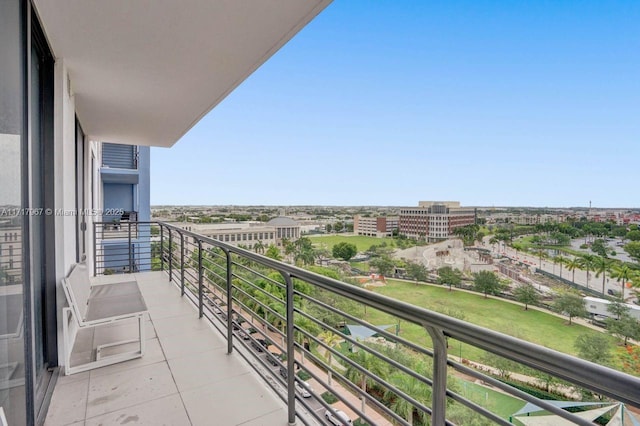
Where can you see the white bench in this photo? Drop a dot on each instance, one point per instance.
(99, 305)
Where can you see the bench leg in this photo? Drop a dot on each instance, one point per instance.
(68, 339)
(103, 361)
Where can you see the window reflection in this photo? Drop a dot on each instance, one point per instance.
(12, 394)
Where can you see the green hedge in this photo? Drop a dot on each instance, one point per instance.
(329, 398)
(538, 393)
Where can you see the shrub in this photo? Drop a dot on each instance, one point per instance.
(303, 375)
(329, 398)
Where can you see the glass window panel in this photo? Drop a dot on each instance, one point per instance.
(12, 367)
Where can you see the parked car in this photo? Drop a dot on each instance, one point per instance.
(243, 335)
(283, 372)
(339, 418)
(272, 359)
(303, 389)
(264, 342)
(257, 346)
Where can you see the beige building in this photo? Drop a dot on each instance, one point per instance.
(247, 234)
(381, 226)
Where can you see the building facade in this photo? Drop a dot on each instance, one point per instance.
(125, 194)
(74, 75)
(381, 226)
(434, 220)
(249, 234)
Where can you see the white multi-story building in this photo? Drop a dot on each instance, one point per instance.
(247, 234)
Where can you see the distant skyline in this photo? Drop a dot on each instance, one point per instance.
(389, 103)
(385, 206)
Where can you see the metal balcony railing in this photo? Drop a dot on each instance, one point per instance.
(122, 247)
(119, 156)
(289, 323)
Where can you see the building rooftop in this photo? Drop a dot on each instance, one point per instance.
(282, 221)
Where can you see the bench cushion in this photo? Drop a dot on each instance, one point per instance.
(113, 300)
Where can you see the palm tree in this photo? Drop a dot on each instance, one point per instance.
(331, 340)
(622, 273)
(587, 262)
(601, 265)
(258, 247)
(572, 265)
(306, 256)
(413, 387)
(560, 260)
(303, 323)
(370, 363)
(289, 248)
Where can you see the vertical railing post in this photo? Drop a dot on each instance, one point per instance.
(439, 388)
(181, 263)
(161, 247)
(130, 249)
(170, 255)
(95, 251)
(200, 292)
(291, 355)
(229, 300)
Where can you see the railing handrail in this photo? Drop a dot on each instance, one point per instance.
(600, 379)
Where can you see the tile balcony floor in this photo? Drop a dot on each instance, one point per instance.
(184, 378)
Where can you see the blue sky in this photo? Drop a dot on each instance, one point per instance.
(392, 102)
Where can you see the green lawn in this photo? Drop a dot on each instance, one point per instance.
(494, 401)
(362, 242)
(363, 266)
(532, 325)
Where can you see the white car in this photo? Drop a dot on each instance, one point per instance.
(303, 389)
(339, 418)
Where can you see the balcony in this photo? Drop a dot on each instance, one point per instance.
(185, 368)
(117, 156)
(251, 340)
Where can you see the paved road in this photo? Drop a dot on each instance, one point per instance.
(580, 277)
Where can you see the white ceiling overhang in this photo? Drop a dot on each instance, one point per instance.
(143, 72)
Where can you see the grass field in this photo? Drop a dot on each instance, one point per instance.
(496, 402)
(362, 242)
(532, 325)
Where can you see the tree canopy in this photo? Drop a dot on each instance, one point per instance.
(526, 294)
(487, 282)
(273, 252)
(571, 305)
(344, 250)
(594, 347)
(449, 276)
(633, 249)
(417, 271)
(384, 264)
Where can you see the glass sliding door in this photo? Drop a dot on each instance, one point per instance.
(28, 345)
(13, 394)
(39, 216)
